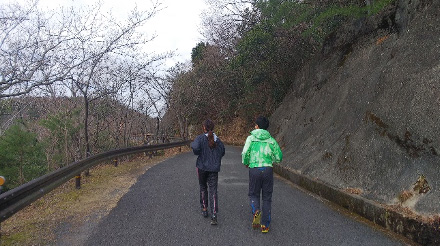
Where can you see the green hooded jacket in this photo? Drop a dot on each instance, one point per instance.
(261, 150)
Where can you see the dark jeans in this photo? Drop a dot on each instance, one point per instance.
(261, 181)
(208, 181)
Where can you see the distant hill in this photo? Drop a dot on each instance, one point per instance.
(111, 123)
(364, 114)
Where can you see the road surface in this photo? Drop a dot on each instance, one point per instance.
(162, 208)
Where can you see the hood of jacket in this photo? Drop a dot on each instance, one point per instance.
(261, 134)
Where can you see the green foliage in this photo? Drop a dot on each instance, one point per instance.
(317, 18)
(5, 106)
(21, 156)
(105, 141)
(62, 123)
(329, 18)
(197, 53)
(256, 44)
(63, 128)
(280, 13)
(269, 54)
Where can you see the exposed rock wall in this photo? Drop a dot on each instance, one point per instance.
(364, 115)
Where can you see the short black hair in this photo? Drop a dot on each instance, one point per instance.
(262, 122)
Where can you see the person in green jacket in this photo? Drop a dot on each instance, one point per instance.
(259, 153)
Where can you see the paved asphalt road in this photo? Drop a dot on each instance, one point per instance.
(162, 208)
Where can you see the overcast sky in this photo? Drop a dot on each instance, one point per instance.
(176, 25)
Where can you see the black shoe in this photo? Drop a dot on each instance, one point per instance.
(205, 212)
(214, 219)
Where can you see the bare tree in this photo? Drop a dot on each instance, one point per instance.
(34, 49)
(226, 21)
(27, 48)
(99, 43)
(38, 49)
(181, 97)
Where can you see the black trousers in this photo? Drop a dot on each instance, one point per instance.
(208, 182)
(261, 185)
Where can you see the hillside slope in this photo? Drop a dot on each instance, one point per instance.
(364, 115)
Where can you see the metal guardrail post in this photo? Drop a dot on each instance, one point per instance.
(2, 181)
(78, 181)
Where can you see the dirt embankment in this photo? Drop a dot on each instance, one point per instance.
(364, 114)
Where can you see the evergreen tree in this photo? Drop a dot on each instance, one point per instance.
(21, 156)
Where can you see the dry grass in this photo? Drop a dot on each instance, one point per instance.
(404, 196)
(235, 132)
(355, 191)
(68, 213)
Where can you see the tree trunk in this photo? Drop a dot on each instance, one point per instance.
(86, 128)
(157, 129)
(182, 126)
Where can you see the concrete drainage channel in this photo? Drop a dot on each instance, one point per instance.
(419, 232)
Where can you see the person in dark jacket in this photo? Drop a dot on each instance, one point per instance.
(210, 150)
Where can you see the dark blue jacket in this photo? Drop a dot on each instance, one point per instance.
(208, 159)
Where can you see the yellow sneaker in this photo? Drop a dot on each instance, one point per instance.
(264, 229)
(256, 220)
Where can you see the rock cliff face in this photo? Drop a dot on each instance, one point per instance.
(364, 115)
